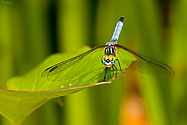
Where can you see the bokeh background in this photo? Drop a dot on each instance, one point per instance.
(31, 30)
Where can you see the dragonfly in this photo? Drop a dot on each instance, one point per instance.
(104, 63)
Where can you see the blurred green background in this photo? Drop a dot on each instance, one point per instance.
(31, 30)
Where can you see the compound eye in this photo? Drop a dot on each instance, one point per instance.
(111, 58)
(105, 58)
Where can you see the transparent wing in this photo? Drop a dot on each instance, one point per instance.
(59, 67)
(143, 63)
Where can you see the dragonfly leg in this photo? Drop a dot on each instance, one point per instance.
(119, 65)
(116, 70)
(105, 73)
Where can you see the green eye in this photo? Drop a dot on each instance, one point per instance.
(113, 62)
(103, 61)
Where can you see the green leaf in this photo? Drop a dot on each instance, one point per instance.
(27, 93)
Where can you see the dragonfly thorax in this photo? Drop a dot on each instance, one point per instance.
(110, 50)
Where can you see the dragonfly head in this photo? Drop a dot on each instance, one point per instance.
(108, 60)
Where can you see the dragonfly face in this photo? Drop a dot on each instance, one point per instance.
(108, 61)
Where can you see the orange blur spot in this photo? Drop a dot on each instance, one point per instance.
(132, 112)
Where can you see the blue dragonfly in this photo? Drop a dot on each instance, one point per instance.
(115, 59)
